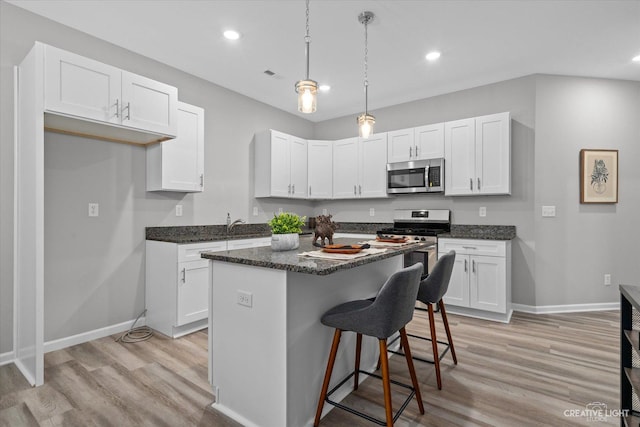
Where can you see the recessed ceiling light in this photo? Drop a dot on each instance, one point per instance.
(432, 56)
(231, 35)
(636, 58)
(325, 88)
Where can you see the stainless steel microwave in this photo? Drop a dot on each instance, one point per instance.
(419, 176)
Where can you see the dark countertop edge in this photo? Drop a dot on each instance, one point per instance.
(632, 293)
(462, 236)
(338, 266)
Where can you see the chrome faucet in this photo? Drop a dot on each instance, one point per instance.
(231, 225)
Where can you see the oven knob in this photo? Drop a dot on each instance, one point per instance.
(423, 239)
(416, 238)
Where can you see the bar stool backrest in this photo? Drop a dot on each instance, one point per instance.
(435, 285)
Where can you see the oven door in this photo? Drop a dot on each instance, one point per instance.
(427, 256)
(407, 177)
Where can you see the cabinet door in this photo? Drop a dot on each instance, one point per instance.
(400, 146)
(460, 158)
(458, 291)
(178, 164)
(81, 87)
(149, 105)
(320, 169)
(487, 284)
(429, 141)
(280, 165)
(493, 154)
(298, 167)
(193, 292)
(345, 168)
(372, 166)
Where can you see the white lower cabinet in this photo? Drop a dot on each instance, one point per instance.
(480, 284)
(177, 286)
(248, 243)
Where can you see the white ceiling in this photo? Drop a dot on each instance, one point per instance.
(481, 42)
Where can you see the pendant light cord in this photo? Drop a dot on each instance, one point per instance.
(366, 67)
(307, 40)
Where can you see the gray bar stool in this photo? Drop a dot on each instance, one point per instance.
(431, 291)
(391, 310)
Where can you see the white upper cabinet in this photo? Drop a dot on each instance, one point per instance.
(478, 156)
(359, 167)
(420, 143)
(178, 164)
(320, 169)
(280, 165)
(81, 88)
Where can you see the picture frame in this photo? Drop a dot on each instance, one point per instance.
(598, 176)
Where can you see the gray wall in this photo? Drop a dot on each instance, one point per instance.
(95, 266)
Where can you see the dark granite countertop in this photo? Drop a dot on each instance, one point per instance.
(481, 232)
(210, 233)
(291, 261)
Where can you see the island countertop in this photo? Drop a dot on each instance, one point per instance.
(293, 261)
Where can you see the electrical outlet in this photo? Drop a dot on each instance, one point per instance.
(94, 209)
(372, 212)
(482, 211)
(245, 298)
(178, 210)
(607, 280)
(255, 211)
(280, 210)
(324, 211)
(548, 211)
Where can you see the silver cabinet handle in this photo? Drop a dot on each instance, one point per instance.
(201, 180)
(416, 151)
(293, 189)
(128, 108)
(470, 247)
(410, 152)
(289, 189)
(117, 108)
(184, 275)
(471, 184)
(473, 266)
(354, 191)
(465, 265)
(309, 190)
(478, 183)
(360, 189)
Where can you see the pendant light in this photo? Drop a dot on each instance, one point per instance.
(307, 89)
(366, 120)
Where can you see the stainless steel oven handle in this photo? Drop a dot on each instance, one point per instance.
(426, 176)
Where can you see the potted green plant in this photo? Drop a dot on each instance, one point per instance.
(285, 229)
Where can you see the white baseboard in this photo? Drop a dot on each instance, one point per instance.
(6, 358)
(566, 308)
(91, 335)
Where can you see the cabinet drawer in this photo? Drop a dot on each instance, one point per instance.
(249, 243)
(191, 252)
(473, 247)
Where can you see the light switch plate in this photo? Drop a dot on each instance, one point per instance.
(94, 209)
(548, 211)
(324, 211)
(372, 212)
(280, 211)
(482, 211)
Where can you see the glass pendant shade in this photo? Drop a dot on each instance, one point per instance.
(365, 124)
(307, 95)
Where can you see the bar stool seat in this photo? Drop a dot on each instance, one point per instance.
(391, 310)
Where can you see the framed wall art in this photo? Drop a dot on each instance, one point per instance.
(598, 176)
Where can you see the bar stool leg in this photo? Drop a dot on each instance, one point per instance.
(358, 348)
(434, 345)
(443, 312)
(327, 375)
(386, 385)
(412, 371)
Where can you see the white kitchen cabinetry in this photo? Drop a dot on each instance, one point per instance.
(480, 284)
(177, 286)
(280, 165)
(320, 169)
(248, 243)
(478, 156)
(81, 88)
(420, 143)
(178, 164)
(359, 167)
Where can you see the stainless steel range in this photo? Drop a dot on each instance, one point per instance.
(422, 225)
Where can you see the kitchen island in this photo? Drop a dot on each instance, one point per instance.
(267, 347)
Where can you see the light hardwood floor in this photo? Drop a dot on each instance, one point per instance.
(526, 373)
